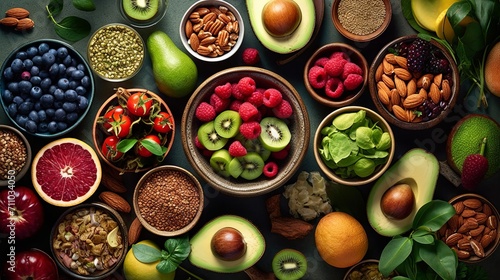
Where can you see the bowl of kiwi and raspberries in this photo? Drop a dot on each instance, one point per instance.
(245, 131)
(143, 14)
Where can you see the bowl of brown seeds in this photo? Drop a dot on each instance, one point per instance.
(15, 155)
(168, 200)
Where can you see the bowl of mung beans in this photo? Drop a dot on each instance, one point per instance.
(116, 52)
(361, 20)
(168, 200)
(15, 155)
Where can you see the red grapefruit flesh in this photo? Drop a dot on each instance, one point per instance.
(66, 172)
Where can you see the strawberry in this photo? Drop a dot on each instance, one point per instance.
(474, 168)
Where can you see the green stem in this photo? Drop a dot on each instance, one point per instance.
(190, 273)
(50, 15)
(483, 146)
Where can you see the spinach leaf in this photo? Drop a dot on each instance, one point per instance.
(73, 28)
(441, 259)
(145, 253)
(394, 253)
(55, 7)
(84, 5)
(433, 215)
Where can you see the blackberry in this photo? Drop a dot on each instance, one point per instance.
(437, 64)
(418, 53)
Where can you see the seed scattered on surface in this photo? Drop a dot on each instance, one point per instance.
(13, 153)
(361, 17)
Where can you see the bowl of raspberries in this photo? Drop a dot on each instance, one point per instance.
(414, 83)
(336, 75)
(237, 131)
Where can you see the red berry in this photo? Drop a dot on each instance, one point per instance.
(235, 105)
(236, 149)
(474, 169)
(270, 169)
(250, 130)
(205, 112)
(353, 81)
(246, 86)
(251, 56)
(334, 88)
(351, 68)
(317, 77)
(236, 93)
(321, 61)
(335, 67)
(283, 110)
(248, 111)
(219, 104)
(282, 154)
(256, 98)
(341, 55)
(198, 144)
(224, 91)
(272, 97)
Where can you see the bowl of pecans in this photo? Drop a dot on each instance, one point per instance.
(414, 83)
(212, 30)
(168, 200)
(473, 231)
(15, 155)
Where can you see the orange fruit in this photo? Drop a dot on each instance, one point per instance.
(66, 172)
(340, 239)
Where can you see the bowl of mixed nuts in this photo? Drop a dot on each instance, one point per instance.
(212, 30)
(366, 269)
(89, 241)
(414, 83)
(168, 200)
(473, 231)
(15, 155)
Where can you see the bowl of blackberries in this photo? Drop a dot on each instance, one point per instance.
(46, 88)
(245, 131)
(414, 83)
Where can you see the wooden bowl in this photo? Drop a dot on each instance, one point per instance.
(348, 97)
(363, 266)
(298, 124)
(99, 133)
(14, 177)
(355, 33)
(386, 110)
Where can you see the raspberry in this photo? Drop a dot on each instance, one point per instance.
(351, 68)
(321, 61)
(236, 93)
(283, 110)
(250, 130)
(272, 97)
(246, 86)
(335, 66)
(223, 91)
(317, 77)
(207, 153)
(353, 81)
(282, 154)
(256, 98)
(334, 88)
(341, 55)
(235, 105)
(251, 56)
(236, 149)
(198, 144)
(248, 111)
(218, 103)
(205, 112)
(418, 53)
(270, 169)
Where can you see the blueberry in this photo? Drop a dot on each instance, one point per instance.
(47, 100)
(69, 107)
(36, 92)
(48, 58)
(62, 69)
(32, 51)
(25, 107)
(77, 74)
(44, 74)
(45, 84)
(35, 71)
(53, 52)
(25, 75)
(61, 126)
(70, 95)
(80, 90)
(31, 126)
(8, 73)
(22, 55)
(17, 65)
(12, 109)
(69, 70)
(43, 48)
(57, 104)
(33, 115)
(27, 63)
(83, 102)
(7, 96)
(42, 116)
(52, 89)
(85, 81)
(80, 66)
(74, 84)
(50, 112)
(63, 83)
(42, 127)
(72, 117)
(54, 70)
(60, 115)
(35, 80)
(37, 60)
(52, 127)
(17, 100)
(25, 87)
(67, 60)
(62, 52)
(59, 94)
(21, 120)
(37, 106)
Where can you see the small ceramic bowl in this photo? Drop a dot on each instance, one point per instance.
(106, 218)
(226, 31)
(365, 269)
(116, 52)
(12, 176)
(485, 216)
(128, 162)
(348, 96)
(145, 23)
(358, 22)
(436, 101)
(168, 200)
(298, 125)
(353, 180)
(40, 95)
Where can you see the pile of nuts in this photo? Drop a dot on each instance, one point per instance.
(472, 230)
(406, 94)
(212, 31)
(13, 153)
(18, 18)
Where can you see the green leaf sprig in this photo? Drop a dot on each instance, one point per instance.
(70, 28)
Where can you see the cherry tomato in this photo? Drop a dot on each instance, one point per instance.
(163, 122)
(139, 104)
(118, 124)
(109, 114)
(109, 149)
(149, 141)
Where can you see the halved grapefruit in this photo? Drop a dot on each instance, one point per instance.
(66, 172)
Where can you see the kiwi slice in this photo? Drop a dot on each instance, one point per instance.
(141, 9)
(235, 168)
(289, 264)
(252, 166)
(254, 145)
(275, 134)
(220, 162)
(227, 123)
(209, 137)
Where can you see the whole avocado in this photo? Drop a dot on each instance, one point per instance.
(175, 73)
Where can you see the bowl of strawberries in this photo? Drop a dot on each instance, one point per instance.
(238, 127)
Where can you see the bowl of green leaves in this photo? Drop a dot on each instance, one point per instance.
(354, 145)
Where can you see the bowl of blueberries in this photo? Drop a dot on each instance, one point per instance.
(46, 88)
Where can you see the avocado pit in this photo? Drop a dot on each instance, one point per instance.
(398, 201)
(228, 244)
(281, 17)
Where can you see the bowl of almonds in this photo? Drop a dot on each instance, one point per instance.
(473, 231)
(414, 83)
(212, 30)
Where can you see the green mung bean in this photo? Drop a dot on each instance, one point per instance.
(361, 17)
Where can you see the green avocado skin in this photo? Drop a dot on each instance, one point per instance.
(175, 73)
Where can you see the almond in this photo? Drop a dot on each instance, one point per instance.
(379, 72)
(388, 81)
(383, 86)
(477, 248)
(395, 97)
(461, 254)
(425, 81)
(453, 223)
(400, 113)
(390, 57)
(437, 79)
(473, 203)
(188, 28)
(401, 86)
(383, 97)
(194, 41)
(115, 201)
(413, 101)
(452, 240)
(403, 74)
(486, 240)
(388, 68)
(459, 207)
(445, 90)
(435, 93)
(411, 87)
(492, 222)
(477, 231)
(25, 24)
(9, 21)
(401, 61)
(423, 93)
(134, 231)
(112, 180)
(467, 213)
(18, 13)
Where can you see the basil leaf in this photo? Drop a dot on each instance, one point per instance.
(441, 259)
(394, 254)
(179, 247)
(145, 253)
(55, 7)
(73, 28)
(84, 5)
(125, 145)
(153, 147)
(433, 215)
(423, 236)
(166, 266)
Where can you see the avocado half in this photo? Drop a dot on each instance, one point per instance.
(287, 44)
(417, 168)
(201, 253)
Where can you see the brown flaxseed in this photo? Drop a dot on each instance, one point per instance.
(361, 17)
(13, 153)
